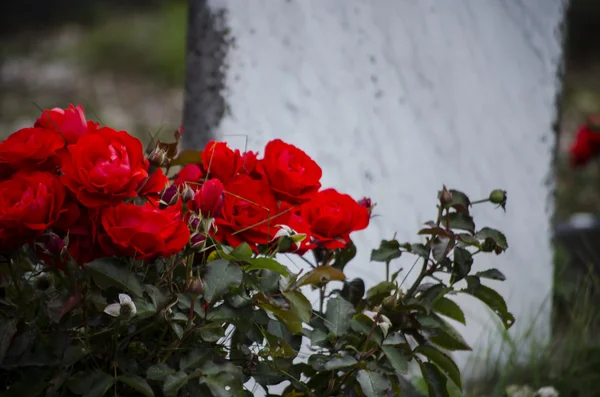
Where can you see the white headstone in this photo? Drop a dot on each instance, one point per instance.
(394, 98)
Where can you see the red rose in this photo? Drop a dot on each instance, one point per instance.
(104, 167)
(220, 161)
(332, 216)
(291, 173)
(83, 242)
(69, 122)
(143, 231)
(152, 187)
(250, 212)
(190, 173)
(30, 203)
(208, 199)
(30, 148)
(250, 162)
(585, 147)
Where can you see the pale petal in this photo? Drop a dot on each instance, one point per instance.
(124, 298)
(113, 309)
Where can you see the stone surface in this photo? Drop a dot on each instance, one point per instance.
(393, 98)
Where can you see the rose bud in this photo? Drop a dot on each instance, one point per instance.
(158, 157)
(208, 200)
(197, 240)
(445, 197)
(54, 244)
(196, 286)
(194, 223)
(170, 196)
(187, 193)
(498, 196)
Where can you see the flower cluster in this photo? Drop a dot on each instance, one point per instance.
(70, 181)
(586, 145)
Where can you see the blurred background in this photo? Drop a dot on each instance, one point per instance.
(125, 62)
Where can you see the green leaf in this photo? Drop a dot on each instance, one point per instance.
(91, 383)
(377, 293)
(494, 301)
(338, 362)
(211, 332)
(428, 297)
(289, 318)
(463, 260)
(498, 237)
(267, 264)
(373, 384)
(461, 221)
(493, 274)
(460, 202)
(220, 278)
(353, 290)
(344, 255)
(138, 384)
(110, 272)
(450, 309)
(193, 359)
(178, 329)
(448, 337)
(443, 361)
(8, 328)
(300, 304)
(223, 380)
(397, 358)
(417, 249)
(388, 250)
(395, 339)
(338, 315)
(321, 275)
(242, 252)
(435, 379)
(159, 372)
(174, 382)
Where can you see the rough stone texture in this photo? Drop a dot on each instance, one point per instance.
(207, 44)
(393, 98)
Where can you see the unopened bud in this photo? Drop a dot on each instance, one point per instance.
(54, 244)
(445, 197)
(389, 302)
(194, 223)
(170, 195)
(187, 193)
(197, 240)
(498, 196)
(196, 286)
(158, 157)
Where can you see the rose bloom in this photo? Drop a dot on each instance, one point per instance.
(585, 146)
(208, 199)
(152, 187)
(332, 216)
(190, 174)
(250, 212)
(30, 148)
(291, 173)
(30, 203)
(70, 122)
(220, 161)
(104, 167)
(144, 232)
(83, 237)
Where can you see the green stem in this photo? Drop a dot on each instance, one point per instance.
(387, 271)
(417, 282)
(485, 200)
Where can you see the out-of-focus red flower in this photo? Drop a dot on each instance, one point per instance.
(220, 161)
(144, 232)
(332, 216)
(291, 173)
(30, 148)
(104, 167)
(587, 143)
(191, 174)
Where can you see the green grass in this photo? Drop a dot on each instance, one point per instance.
(149, 45)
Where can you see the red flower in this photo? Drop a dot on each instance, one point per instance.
(332, 216)
(190, 173)
(69, 122)
(143, 231)
(30, 203)
(208, 200)
(250, 212)
(250, 162)
(152, 187)
(291, 173)
(585, 147)
(104, 167)
(83, 242)
(30, 148)
(220, 161)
